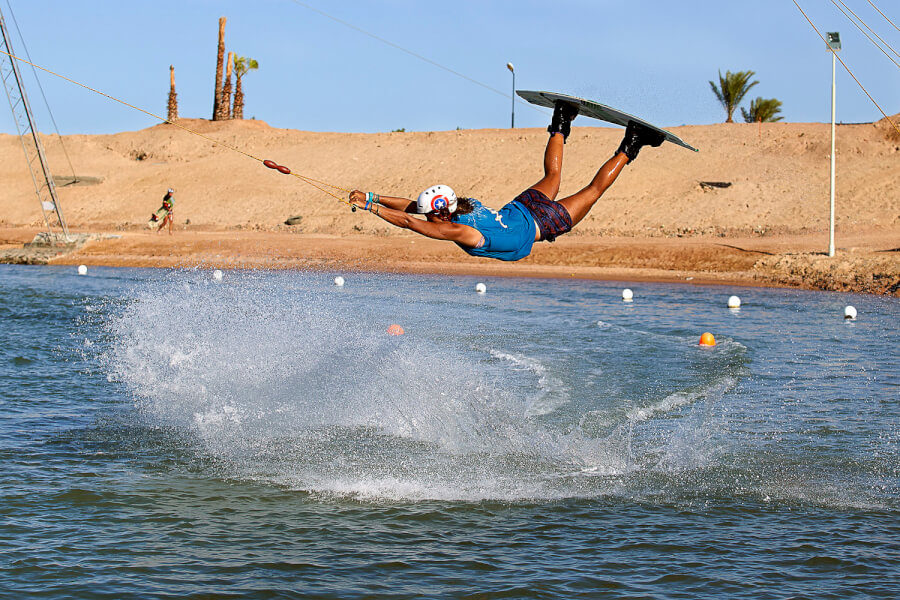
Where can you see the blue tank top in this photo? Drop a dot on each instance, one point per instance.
(508, 233)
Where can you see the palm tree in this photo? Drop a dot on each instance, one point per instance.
(732, 89)
(762, 110)
(173, 97)
(242, 65)
(225, 100)
(220, 62)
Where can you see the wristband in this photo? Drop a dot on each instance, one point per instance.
(373, 197)
(368, 204)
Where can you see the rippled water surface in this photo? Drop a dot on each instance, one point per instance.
(165, 434)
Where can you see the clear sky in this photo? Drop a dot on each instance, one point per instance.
(652, 58)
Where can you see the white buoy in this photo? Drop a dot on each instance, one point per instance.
(480, 288)
(82, 269)
(849, 313)
(627, 295)
(339, 281)
(217, 275)
(734, 302)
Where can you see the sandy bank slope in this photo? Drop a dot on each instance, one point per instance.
(778, 172)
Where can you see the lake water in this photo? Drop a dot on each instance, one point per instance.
(165, 434)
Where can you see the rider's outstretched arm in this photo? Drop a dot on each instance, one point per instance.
(438, 230)
(404, 204)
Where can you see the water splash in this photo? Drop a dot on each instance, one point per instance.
(284, 380)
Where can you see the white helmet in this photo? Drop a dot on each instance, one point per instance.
(171, 191)
(436, 198)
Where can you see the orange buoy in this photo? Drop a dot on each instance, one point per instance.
(707, 339)
(395, 330)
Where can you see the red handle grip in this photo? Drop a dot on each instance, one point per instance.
(274, 165)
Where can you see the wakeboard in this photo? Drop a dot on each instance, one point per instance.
(157, 218)
(595, 110)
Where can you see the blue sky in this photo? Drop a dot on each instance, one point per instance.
(652, 58)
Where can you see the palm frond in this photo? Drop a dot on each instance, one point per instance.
(731, 90)
(764, 110)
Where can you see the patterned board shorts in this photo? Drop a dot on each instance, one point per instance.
(552, 217)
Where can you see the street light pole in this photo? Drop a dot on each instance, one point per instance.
(834, 44)
(513, 95)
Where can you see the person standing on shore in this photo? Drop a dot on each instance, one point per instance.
(535, 215)
(166, 211)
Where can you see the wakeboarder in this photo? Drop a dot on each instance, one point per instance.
(534, 215)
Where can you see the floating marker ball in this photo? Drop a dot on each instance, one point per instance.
(480, 288)
(707, 339)
(82, 270)
(217, 275)
(849, 312)
(339, 281)
(627, 295)
(734, 302)
(395, 330)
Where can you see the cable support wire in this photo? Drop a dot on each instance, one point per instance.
(841, 2)
(843, 64)
(883, 15)
(319, 185)
(43, 95)
(411, 53)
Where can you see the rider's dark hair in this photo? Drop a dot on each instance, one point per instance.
(464, 206)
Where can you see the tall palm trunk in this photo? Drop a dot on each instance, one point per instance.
(220, 62)
(242, 66)
(173, 97)
(238, 112)
(225, 100)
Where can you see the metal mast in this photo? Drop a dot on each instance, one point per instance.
(28, 135)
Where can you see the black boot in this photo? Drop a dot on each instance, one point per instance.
(638, 136)
(563, 115)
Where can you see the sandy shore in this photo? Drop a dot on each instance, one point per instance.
(869, 265)
(661, 221)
